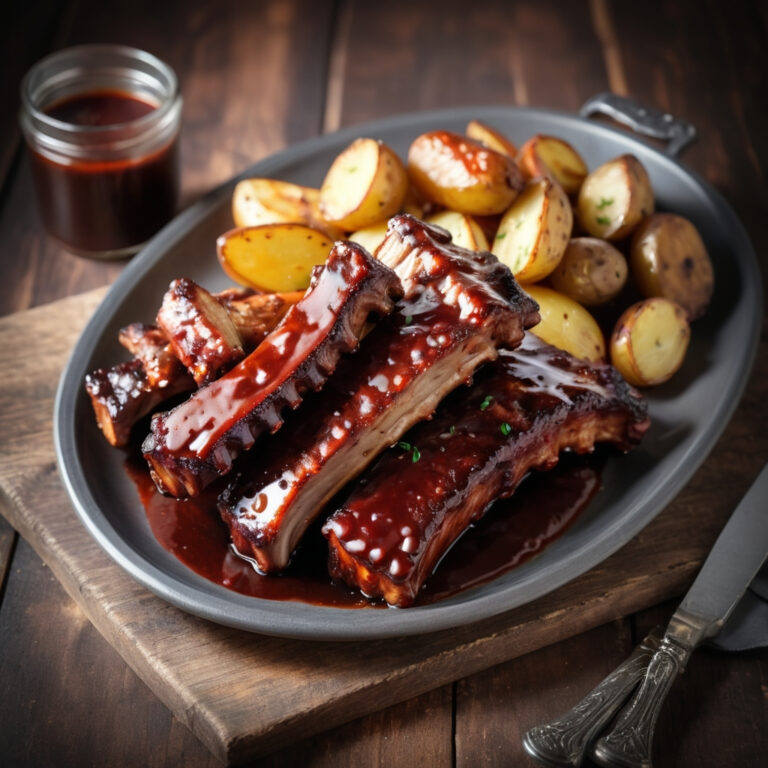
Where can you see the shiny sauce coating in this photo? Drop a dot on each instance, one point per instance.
(513, 531)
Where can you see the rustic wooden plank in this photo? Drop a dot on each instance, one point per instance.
(716, 712)
(417, 731)
(207, 674)
(495, 708)
(91, 708)
(246, 93)
(421, 57)
(7, 540)
(34, 26)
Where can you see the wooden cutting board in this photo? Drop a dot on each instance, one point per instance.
(244, 694)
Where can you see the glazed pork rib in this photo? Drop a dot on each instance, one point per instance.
(191, 445)
(459, 307)
(126, 392)
(519, 415)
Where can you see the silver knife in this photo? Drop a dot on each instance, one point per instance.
(733, 562)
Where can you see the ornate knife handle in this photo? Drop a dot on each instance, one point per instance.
(644, 120)
(628, 744)
(564, 741)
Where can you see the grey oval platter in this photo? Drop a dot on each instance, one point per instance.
(688, 414)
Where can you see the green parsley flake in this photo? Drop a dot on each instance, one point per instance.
(415, 454)
(501, 235)
(604, 203)
(405, 446)
(352, 169)
(452, 430)
(408, 319)
(486, 402)
(505, 429)
(604, 220)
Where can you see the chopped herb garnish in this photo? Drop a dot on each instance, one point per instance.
(351, 169)
(412, 449)
(408, 319)
(604, 203)
(486, 402)
(405, 446)
(505, 429)
(501, 235)
(452, 430)
(604, 220)
(518, 224)
(415, 454)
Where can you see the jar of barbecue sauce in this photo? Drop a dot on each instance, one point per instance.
(101, 124)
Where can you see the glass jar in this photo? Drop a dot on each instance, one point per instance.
(101, 124)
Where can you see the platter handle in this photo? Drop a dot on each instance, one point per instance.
(647, 121)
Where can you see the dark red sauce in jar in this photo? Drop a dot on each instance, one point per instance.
(98, 205)
(512, 531)
(101, 123)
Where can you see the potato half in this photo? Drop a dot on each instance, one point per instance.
(483, 133)
(649, 342)
(370, 237)
(269, 201)
(365, 184)
(462, 174)
(591, 271)
(272, 257)
(668, 258)
(614, 198)
(566, 324)
(554, 158)
(465, 231)
(534, 232)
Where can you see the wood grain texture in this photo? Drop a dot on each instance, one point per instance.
(207, 674)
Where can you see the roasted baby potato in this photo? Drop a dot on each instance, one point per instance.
(591, 271)
(668, 258)
(272, 257)
(491, 138)
(614, 198)
(534, 232)
(464, 230)
(566, 324)
(649, 341)
(370, 237)
(548, 156)
(462, 174)
(268, 201)
(365, 184)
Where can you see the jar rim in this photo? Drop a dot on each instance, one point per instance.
(44, 121)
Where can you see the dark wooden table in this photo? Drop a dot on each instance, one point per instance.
(257, 77)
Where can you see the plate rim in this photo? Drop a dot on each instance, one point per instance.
(316, 622)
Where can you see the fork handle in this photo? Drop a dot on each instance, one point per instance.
(563, 742)
(628, 744)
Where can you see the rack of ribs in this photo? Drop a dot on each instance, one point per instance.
(521, 412)
(459, 307)
(196, 442)
(126, 392)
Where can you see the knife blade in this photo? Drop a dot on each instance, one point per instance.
(740, 550)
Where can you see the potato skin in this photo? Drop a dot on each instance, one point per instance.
(566, 324)
(462, 174)
(553, 158)
(352, 199)
(649, 342)
(492, 138)
(591, 271)
(668, 258)
(614, 198)
(534, 232)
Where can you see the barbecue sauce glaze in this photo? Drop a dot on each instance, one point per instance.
(511, 532)
(106, 205)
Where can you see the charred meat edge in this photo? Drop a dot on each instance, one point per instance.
(521, 413)
(478, 305)
(199, 440)
(126, 392)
